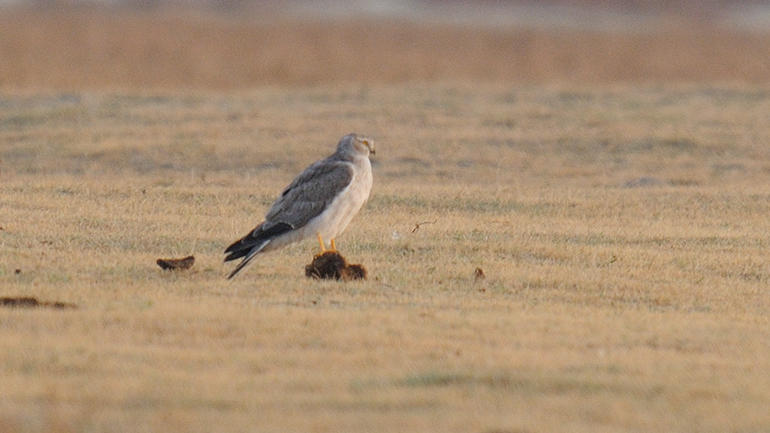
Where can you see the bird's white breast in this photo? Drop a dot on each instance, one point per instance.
(346, 205)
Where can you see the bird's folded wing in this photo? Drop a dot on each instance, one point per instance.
(310, 193)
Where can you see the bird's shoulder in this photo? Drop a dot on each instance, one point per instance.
(325, 175)
(311, 192)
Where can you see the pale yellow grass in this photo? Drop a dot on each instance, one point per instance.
(604, 308)
(82, 48)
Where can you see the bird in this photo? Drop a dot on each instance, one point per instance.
(321, 201)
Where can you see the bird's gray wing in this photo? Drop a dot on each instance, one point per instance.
(310, 193)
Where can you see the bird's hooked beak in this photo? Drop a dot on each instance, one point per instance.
(369, 143)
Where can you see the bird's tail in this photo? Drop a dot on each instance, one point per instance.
(250, 255)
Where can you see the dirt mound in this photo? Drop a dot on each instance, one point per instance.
(332, 266)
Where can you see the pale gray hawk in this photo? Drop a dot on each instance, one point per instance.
(320, 202)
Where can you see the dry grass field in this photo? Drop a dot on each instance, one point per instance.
(622, 229)
(93, 49)
(623, 235)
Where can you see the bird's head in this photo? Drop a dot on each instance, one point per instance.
(357, 144)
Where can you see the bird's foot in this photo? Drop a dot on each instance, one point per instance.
(323, 247)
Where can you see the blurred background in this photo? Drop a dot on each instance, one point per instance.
(239, 44)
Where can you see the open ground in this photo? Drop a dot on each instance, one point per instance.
(622, 232)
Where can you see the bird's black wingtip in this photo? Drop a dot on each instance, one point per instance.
(234, 255)
(248, 253)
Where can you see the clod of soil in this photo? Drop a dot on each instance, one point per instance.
(185, 263)
(33, 303)
(332, 266)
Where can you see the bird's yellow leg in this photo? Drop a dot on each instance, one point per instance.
(334, 247)
(321, 241)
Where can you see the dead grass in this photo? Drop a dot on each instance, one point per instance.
(461, 134)
(87, 48)
(604, 307)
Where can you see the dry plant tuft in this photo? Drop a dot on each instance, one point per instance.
(478, 274)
